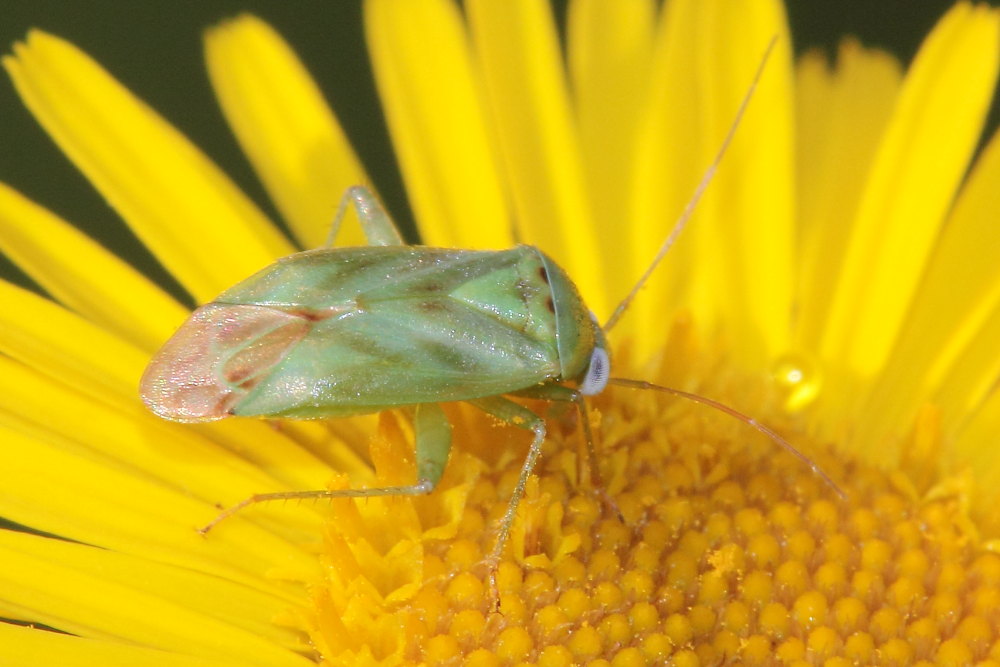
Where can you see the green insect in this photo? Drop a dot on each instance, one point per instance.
(336, 332)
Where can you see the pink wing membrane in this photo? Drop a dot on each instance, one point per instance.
(216, 357)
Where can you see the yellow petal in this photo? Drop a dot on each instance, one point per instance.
(61, 487)
(39, 333)
(916, 171)
(434, 106)
(840, 118)
(28, 647)
(947, 346)
(971, 379)
(731, 264)
(609, 51)
(83, 275)
(235, 604)
(518, 50)
(976, 449)
(96, 595)
(193, 218)
(668, 162)
(284, 126)
(748, 227)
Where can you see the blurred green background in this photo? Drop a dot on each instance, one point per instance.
(154, 48)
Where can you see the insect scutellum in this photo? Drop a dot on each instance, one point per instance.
(322, 334)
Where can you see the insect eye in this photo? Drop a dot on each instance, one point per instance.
(597, 373)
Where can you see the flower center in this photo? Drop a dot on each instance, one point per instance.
(726, 548)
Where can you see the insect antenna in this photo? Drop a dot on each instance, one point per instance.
(696, 196)
(736, 414)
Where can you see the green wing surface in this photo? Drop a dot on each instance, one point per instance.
(400, 325)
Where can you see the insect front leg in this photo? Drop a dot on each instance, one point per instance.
(433, 435)
(516, 415)
(558, 392)
(375, 222)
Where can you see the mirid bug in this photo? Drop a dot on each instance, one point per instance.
(336, 332)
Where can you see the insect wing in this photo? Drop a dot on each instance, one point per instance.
(397, 353)
(339, 278)
(213, 360)
(411, 325)
(338, 332)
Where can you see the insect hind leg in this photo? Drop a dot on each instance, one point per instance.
(375, 221)
(422, 487)
(433, 434)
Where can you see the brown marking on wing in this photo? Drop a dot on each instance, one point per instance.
(308, 314)
(431, 306)
(432, 288)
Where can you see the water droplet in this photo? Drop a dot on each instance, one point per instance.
(799, 378)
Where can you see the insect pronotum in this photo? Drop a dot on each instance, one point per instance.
(335, 332)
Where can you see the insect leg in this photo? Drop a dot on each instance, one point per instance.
(433, 433)
(558, 392)
(516, 415)
(375, 221)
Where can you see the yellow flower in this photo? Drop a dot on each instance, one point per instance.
(839, 281)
